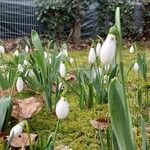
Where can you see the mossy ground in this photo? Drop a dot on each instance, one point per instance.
(76, 131)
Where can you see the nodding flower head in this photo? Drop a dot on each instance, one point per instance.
(108, 50)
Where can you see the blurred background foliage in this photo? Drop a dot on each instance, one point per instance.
(63, 18)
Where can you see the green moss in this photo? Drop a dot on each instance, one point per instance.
(76, 131)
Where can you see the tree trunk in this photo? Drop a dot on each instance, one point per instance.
(75, 33)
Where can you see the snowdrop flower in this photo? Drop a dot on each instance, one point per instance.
(136, 67)
(50, 60)
(29, 73)
(25, 62)
(45, 55)
(26, 48)
(17, 129)
(108, 50)
(20, 68)
(106, 78)
(19, 84)
(92, 56)
(62, 108)
(60, 86)
(65, 50)
(71, 60)
(98, 49)
(93, 74)
(107, 67)
(62, 70)
(2, 50)
(16, 53)
(131, 50)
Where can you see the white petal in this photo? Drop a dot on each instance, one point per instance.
(131, 50)
(17, 129)
(136, 67)
(98, 49)
(25, 62)
(92, 56)
(108, 50)
(62, 108)
(62, 70)
(71, 60)
(2, 50)
(16, 53)
(26, 48)
(19, 84)
(45, 55)
(20, 68)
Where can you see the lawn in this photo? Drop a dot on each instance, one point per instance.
(76, 130)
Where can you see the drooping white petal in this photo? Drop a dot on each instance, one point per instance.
(17, 129)
(20, 68)
(19, 84)
(16, 53)
(108, 50)
(92, 56)
(136, 67)
(98, 49)
(62, 70)
(131, 50)
(2, 50)
(26, 48)
(62, 108)
(71, 60)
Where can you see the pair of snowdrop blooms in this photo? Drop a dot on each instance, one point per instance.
(136, 65)
(62, 111)
(106, 52)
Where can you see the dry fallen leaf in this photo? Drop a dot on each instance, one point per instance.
(62, 147)
(26, 108)
(100, 123)
(22, 140)
(147, 129)
(71, 77)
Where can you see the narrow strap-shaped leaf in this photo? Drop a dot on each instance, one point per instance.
(119, 116)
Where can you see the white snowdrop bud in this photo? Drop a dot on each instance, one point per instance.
(71, 60)
(62, 70)
(2, 50)
(108, 50)
(25, 62)
(98, 49)
(19, 84)
(26, 48)
(62, 108)
(17, 129)
(45, 55)
(16, 53)
(92, 56)
(20, 68)
(136, 67)
(131, 50)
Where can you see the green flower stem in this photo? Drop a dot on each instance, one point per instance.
(28, 132)
(56, 131)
